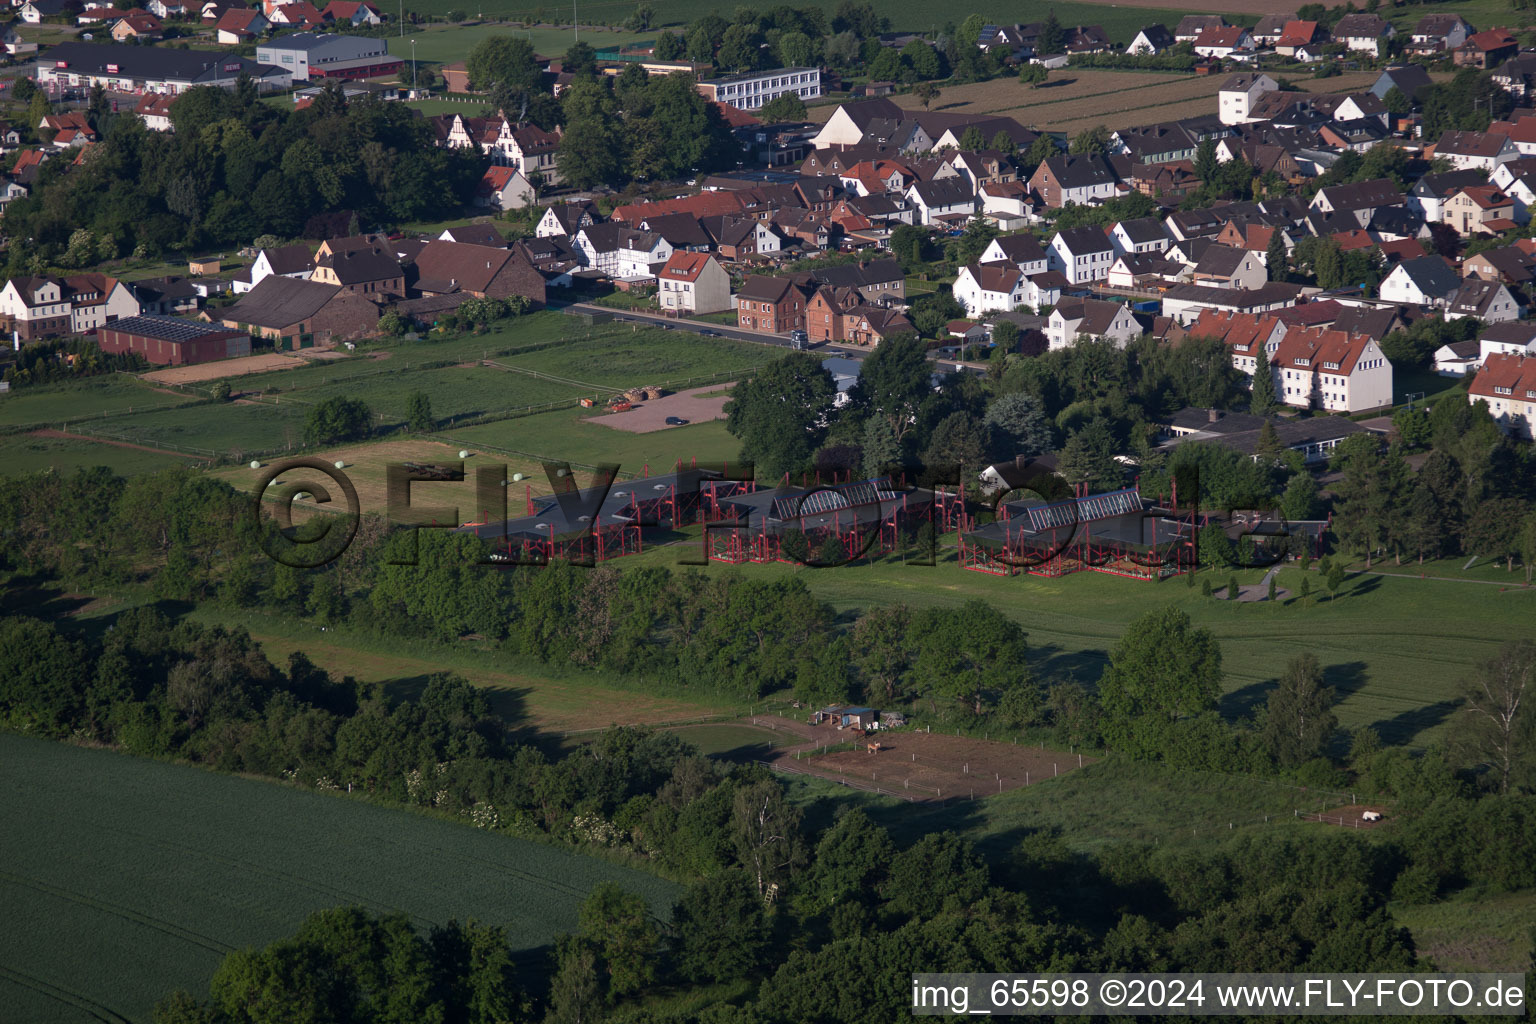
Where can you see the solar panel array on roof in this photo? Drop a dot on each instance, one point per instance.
(166, 328)
(815, 503)
(1084, 510)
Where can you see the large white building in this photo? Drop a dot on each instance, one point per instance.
(1331, 370)
(307, 55)
(751, 91)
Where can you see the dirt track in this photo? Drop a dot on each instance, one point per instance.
(918, 766)
(224, 368)
(647, 417)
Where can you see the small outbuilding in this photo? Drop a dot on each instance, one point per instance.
(170, 341)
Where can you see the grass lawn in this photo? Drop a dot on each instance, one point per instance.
(454, 392)
(628, 358)
(1471, 933)
(732, 742)
(214, 430)
(446, 44)
(1395, 650)
(27, 453)
(528, 694)
(567, 434)
(1094, 807)
(53, 404)
(1426, 386)
(124, 878)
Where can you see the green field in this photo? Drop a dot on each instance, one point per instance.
(1122, 23)
(27, 453)
(124, 878)
(445, 44)
(733, 742)
(53, 404)
(1474, 933)
(1394, 649)
(219, 430)
(1093, 807)
(566, 434)
(626, 359)
(453, 391)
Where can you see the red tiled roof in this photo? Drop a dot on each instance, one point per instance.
(684, 266)
(1505, 370)
(1316, 348)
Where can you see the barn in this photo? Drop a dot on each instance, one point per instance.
(168, 341)
(1117, 532)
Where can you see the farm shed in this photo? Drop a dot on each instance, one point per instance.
(845, 717)
(168, 341)
(1117, 532)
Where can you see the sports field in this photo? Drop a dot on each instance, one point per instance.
(123, 878)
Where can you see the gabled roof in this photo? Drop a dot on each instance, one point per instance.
(995, 277)
(1194, 24)
(357, 266)
(1225, 37)
(1408, 79)
(1158, 36)
(477, 234)
(1437, 25)
(471, 267)
(1485, 197)
(1475, 296)
(1320, 349)
(1508, 370)
(685, 266)
(1080, 171)
(1022, 248)
(681, 230)
(279, 301)
(1362, 195)
(945, 192)
(1143, 229)
(1359, 26)
(761, 288)
(1483, 145)
(1094, 316)
(1080, 241)
(1430, 274)
(1492, 39)
(1222, 261)
(1374, 321)
(290, 259)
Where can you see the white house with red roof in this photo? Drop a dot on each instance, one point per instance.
(504, 188)
(1319, 368)
(1507, 382)
(1244, 334)
(1220, 42)
(351, 12)
(693, 282)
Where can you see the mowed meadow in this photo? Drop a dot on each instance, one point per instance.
(124, 878)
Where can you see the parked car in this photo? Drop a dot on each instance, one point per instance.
(676, 421)
(709, 334)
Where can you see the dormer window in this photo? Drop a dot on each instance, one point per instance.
(1503, 391)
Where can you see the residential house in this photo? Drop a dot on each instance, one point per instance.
(1331, 370)
(1143, 234)
(1244, 335)
(1153, 39)
(1487, 49)
(1165, 181)
(1521, 132)
(137, 24)
(1185, 302)
(989, 288)
(1269, 29)
(1507, 382)
(1481, 151)
(1361, 199)
(371, 273)
(1429, 194)
(1064, 180)
(620, 251)
(1222, 266)
(294, 261)
(32, 308)
(1009, 203)
(740, 238)
(948, 202)
(296, 314)
(566, 218)
(1408, 79)
(1436, 35)
(1238, 93)
(352, 12)
(841, 314)
(165, 295)
(295, 14)
(445, 268)
(1301, 39)
(167, 9)
(1221, 42)
(154, 109)
(239, 25)
(34, 11)
(1516, 338)
(1364, 33)
(1516, 75)
(1479, 210)
(774, 305)
(1488, 301)
(1082, 254)
(692, 283)
(878, 282)
(1426, 281)
(1457, 359)
(1023, 251)
(1156, 143)
(1507, 264)
(504, 188)
(1144, 270)
(1095, 319)
(1191, 25)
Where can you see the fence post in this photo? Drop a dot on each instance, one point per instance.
(1054, 770)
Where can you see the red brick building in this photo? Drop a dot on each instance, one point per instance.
(167, 341)
(770, 304)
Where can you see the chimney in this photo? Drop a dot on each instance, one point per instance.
(1212, 415)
